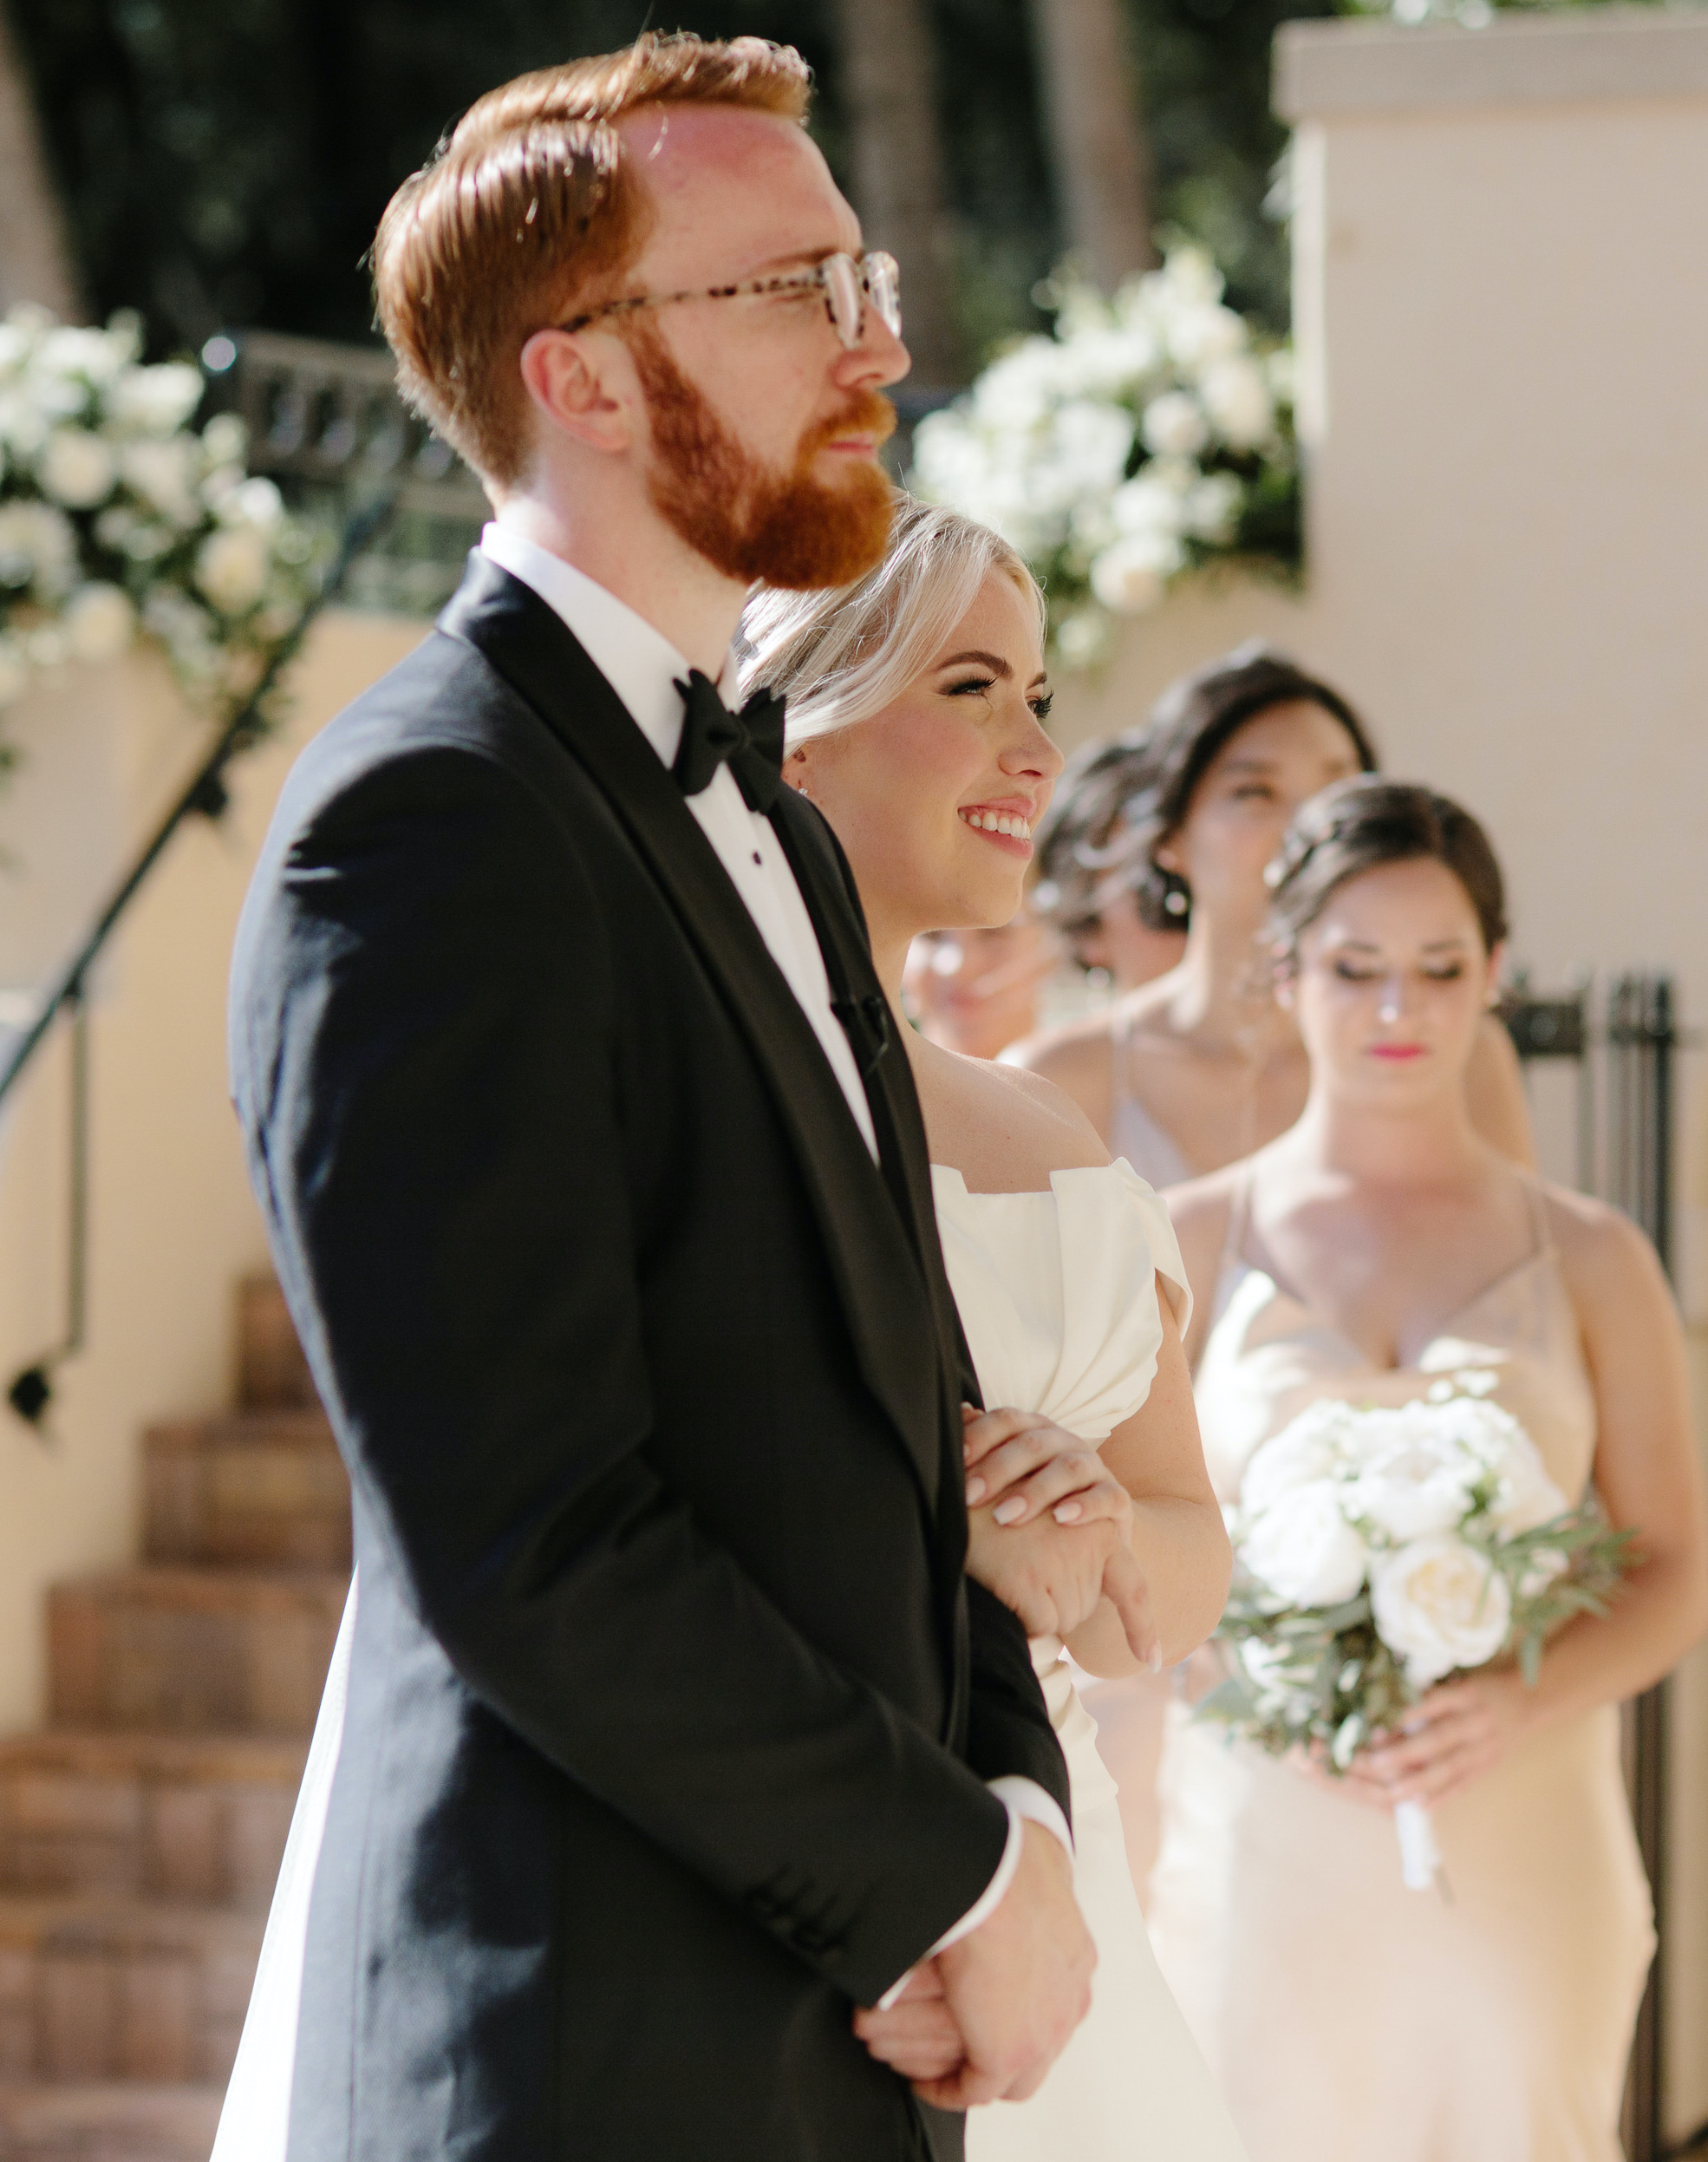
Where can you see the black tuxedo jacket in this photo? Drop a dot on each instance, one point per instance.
(671, 1709)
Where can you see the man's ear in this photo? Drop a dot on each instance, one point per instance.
(577, 388)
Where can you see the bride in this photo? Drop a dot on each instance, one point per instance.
(916, 705)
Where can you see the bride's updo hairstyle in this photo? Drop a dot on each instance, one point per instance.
(1358, 826)
(842, 655)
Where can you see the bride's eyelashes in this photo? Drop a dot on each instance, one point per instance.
(982, 686)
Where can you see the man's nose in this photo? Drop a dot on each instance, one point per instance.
(879, 358)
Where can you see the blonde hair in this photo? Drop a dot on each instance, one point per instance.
(529, 211)
(839, 656)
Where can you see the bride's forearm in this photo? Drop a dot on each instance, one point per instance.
(1182, 1547)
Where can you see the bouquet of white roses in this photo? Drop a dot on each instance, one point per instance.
(117, 516)
(1379, 1550)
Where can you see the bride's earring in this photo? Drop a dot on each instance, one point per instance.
(798, 782)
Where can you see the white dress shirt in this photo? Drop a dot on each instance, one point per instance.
(643, 668)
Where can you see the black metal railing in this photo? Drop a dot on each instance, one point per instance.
(66, 995)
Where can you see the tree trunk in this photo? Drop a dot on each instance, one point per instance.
(889, 91)
(36, 259)
(1097, 144)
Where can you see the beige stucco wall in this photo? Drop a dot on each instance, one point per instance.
(173, 1225)
(1502, 329)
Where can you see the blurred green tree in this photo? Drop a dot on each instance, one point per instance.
(224, 162)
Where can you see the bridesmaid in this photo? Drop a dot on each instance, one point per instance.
(1087, 887)
(1380, 1243)
(1202, 1066)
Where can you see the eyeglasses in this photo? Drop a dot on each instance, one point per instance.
(846, 284)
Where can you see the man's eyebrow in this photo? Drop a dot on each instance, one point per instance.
(993, 661)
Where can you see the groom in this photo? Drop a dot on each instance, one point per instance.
(674, 1731)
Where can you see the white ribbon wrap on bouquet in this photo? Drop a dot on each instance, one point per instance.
(1419, 1856)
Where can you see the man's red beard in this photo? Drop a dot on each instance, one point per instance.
(746, 519)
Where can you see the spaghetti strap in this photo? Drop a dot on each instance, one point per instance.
(1239, 1216)
(1540, 1221)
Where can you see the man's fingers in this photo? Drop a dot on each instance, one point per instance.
(963, 2089)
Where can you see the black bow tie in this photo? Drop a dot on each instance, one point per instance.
(752, 741)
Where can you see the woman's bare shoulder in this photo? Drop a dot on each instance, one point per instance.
(1603, 1253)
(1005, 1129)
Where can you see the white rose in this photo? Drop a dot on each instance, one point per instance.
(160, 473)
(1298, 1456)
(1146, 505)
(1303, 1549)
(14, 669)
(1237, 399)
(156, 401)
(1213, 507)
(1132, 576)
(38, 548)
(1438, 1605)
(21, 427)
(1546, 1566)
(96, 356)
(1174, 426)
(1414, 1489)
(76, 468)
(1199, 336)
(100, 622)
(225, 440)
(231, 568)
(255, 503)
(1527, 1497)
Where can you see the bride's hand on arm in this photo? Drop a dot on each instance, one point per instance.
(1046, 1528)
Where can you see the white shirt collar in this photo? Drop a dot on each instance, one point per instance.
(638, 662)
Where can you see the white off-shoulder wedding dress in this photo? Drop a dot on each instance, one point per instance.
(1059, 1295)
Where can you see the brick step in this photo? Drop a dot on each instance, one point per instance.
(98, 1990)
(197, 1650)
(261, 1486)
(272, 1374)
(109, 2123)
(173, 1816)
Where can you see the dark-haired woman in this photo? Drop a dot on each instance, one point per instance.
(1379, 1245)
(1085, 889)
(1200, 1066)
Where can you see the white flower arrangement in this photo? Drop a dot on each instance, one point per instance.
(118, 518)
(1379, 1550)
(1151, 434)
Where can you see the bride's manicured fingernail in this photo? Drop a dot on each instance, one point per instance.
(1068, 1512)
(975, 1492)
(1155, 1658)
(1006, 1511)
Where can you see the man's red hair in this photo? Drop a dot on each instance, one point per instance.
(527, 212)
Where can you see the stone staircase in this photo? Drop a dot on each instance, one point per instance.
(141, 1830)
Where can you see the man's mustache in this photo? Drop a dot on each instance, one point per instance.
(867, 413)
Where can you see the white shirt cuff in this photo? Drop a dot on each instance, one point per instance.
(1023, 1799)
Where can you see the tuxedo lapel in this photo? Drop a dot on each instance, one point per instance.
(877, 1266)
